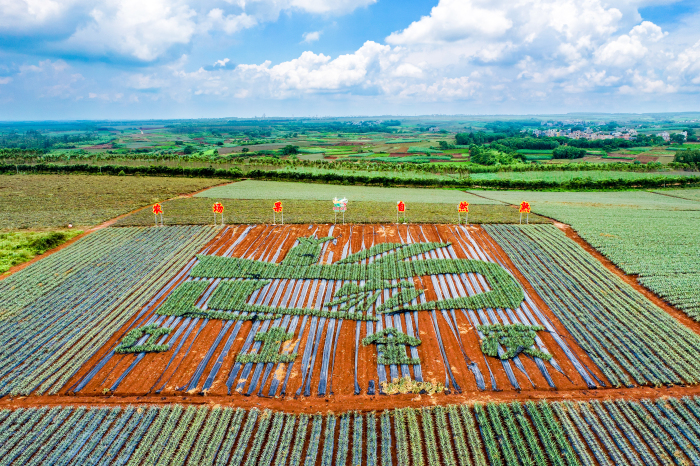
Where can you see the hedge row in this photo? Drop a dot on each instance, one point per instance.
(342, 178)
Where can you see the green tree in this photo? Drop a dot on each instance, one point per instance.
(290, 149)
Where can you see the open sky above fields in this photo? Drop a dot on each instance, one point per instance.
(190, 58)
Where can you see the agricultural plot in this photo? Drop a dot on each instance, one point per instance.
(198, 210)
(663, 431)
(83, 200)
(56, 313)
(358, 310)
(343, 310)
(251, 189)
(618, 328)
(651, 235)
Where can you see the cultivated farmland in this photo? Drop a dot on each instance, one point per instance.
(369, 344)
(46, 201)
(562, 433)
(652, 235)
(250, 189)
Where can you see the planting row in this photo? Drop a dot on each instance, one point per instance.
(56, 313)
(664, 431)
(617, 326)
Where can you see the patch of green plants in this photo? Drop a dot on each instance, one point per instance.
(407, 385)
(390, 346)
(128, 344)
(515, 338)
(270, 352)
(17, 247)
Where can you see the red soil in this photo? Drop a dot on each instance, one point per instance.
(265, 241)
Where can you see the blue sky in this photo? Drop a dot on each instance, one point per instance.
(120, 59)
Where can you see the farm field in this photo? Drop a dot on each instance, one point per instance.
(82, 200)
(663, 251)
(197, 210)
(357, 344)
(325, 317)
(564, 433)
(566, 175)
(251, 189)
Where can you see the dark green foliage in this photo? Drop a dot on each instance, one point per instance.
(272, 341)
(181, 301)
(128, 344)
(516, 338)
(232, 295)
(390, 342)
(568, 152)
(307, 252)
(371, 180)
(50, 241)
(687, 156)
(505, 291)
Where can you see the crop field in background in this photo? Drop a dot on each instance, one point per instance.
(573, 174)
(198, 210)
(50, 201)
(251, 189)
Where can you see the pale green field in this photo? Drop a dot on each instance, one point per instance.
(251, 189)
(549, 201)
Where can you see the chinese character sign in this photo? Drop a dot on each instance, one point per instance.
(340, 205)
(157, 209)
(463, 207)
(524, 207)
(277, 207)
(401, 206)
(218, 208)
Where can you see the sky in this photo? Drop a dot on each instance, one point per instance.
(140, 59)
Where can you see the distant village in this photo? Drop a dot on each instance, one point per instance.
(629, 134)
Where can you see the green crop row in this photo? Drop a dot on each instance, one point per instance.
(664, 431)
(612, 322)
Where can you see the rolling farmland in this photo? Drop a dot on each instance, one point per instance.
(376, 344)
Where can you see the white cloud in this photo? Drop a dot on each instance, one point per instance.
(311, 36)
(328, 6)
(628, 49)
(542, 52)
(145, 30)
(453, 20)
(5, 80)
(19, 15)
(216, 19)
(648, 84)
(142, 30)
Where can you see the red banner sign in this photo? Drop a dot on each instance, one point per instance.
(463, 206)
(401, 206)
(277, 207)
(524, 207)
(157, 209)
(218, 208)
